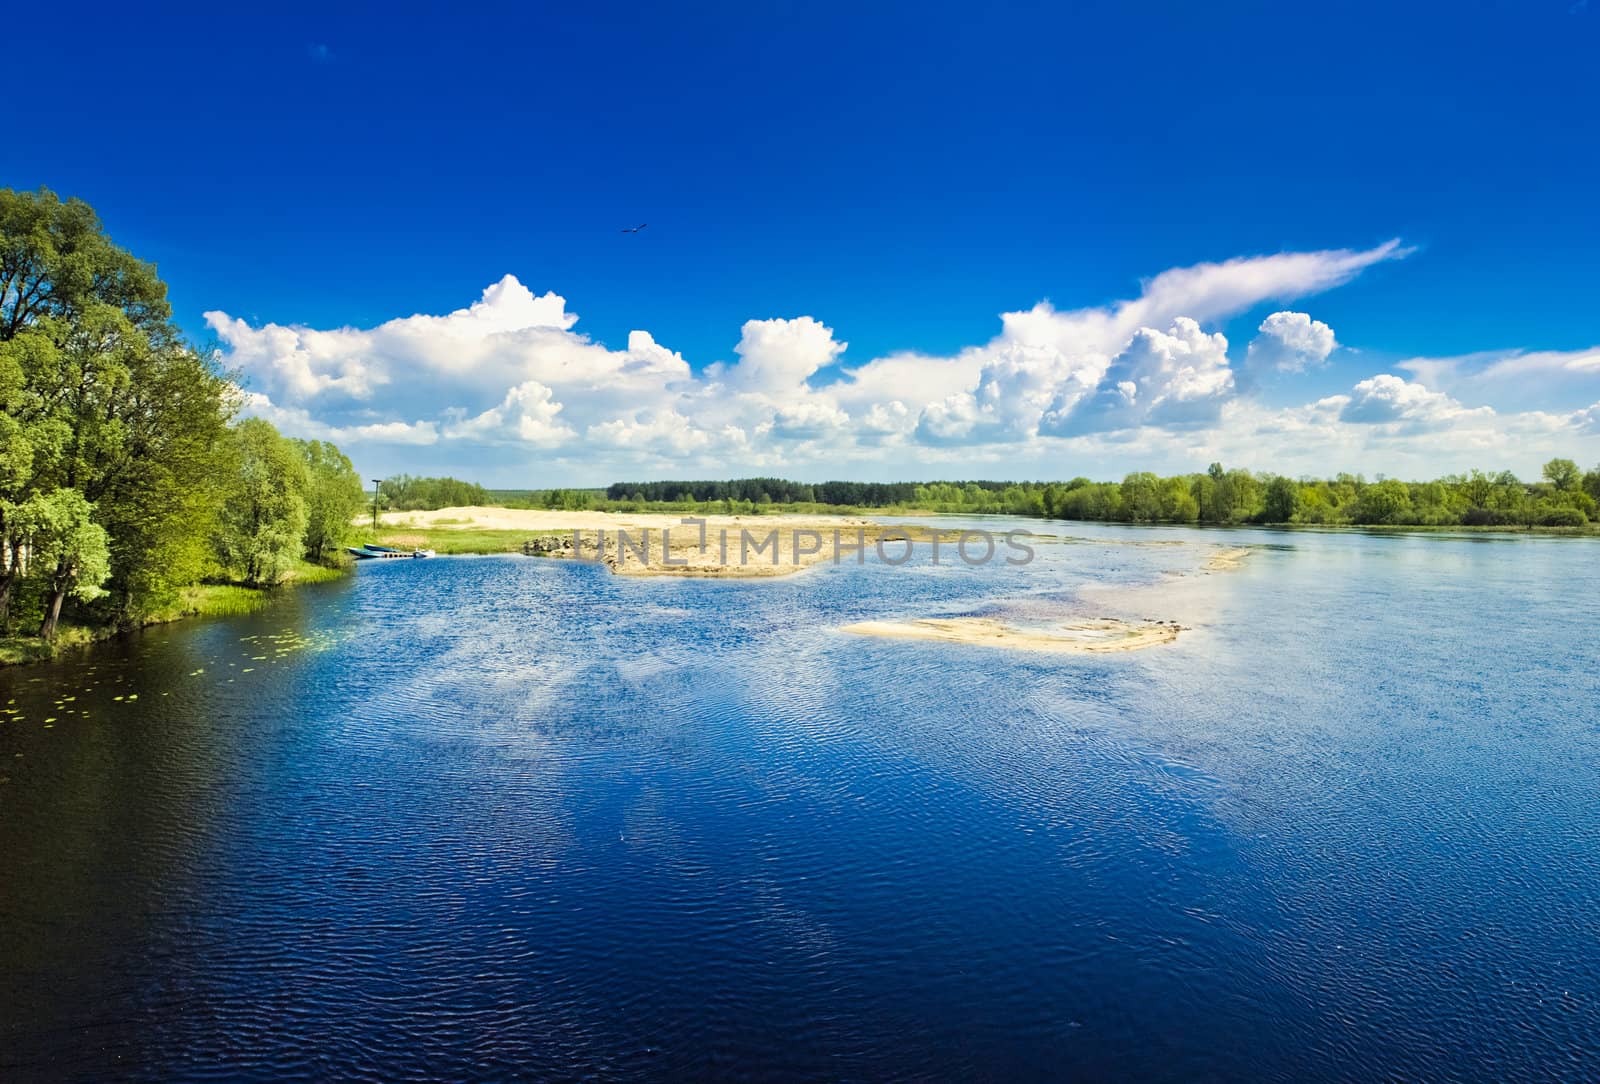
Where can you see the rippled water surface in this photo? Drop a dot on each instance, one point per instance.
(495, 817)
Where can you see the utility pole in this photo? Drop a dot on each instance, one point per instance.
(376, 483)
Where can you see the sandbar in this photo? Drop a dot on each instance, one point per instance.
(1097, 636)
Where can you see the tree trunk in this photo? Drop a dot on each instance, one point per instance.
(58, 594)
(52, 613)
(10, 573)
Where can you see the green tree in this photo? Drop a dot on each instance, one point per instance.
(1282, 501)
(1564, 475)
(68, 546)
(1177, 502)
(262, 526)
(1386, 502)
(56, 261)
(1141, 497)
(334, 497)
(16, 468)
(111, 402)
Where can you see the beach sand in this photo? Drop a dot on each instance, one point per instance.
(1066, 638)
(661, 544)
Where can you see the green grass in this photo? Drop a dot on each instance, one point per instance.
(232, 599)
(16, 650)
(218, 600)
(455, 540)
(311, 572)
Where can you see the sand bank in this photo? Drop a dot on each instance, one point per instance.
(1225, 560)
(1067, 638)
(662, 544)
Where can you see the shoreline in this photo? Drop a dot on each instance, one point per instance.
(200, 600)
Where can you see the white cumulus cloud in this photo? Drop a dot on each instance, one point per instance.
(1177, 379)
(510, 382)
(1289, 342)
(1387, 399)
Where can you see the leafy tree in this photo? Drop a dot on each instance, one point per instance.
(68, 545)
(333, 497)
(1282, 501)
(1386, 502)
(111, 402)
(1177, 502)
(408, 494)
(262, 525)
(56, 261)
(1564, 475)
(1141, 497)
(16, 468)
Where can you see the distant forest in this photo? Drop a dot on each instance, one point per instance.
(1564, 497)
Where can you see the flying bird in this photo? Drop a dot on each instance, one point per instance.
(635, 229)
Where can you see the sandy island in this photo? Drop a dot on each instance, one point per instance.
(661, 544)
(753, 547)
(1067, 638)
(1225, 560)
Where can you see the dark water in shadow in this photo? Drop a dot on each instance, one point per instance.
(502, 817)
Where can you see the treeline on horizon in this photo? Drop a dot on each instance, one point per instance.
(124, 477)
(1564, 497)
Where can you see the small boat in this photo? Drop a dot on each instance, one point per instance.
(369, 552)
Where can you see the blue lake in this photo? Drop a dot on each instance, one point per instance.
(482, 818)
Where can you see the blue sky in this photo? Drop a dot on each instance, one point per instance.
(902, 175)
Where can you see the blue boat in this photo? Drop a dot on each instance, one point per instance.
(366, 553)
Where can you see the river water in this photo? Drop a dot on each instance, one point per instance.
(480, 818)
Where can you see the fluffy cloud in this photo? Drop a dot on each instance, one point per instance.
(528, 414)
(1388, 400)
(1177, 379)
(510, 380)
(472, 357)
(1515, 379)
(297, 421)
(1289, 342)
(777, 356)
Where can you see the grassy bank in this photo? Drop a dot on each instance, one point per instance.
(196, 600)
(451, 540)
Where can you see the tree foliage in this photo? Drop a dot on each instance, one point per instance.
(333, 497)
(261, 531)
(68, 545)
(407, 494)
(121, 481)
